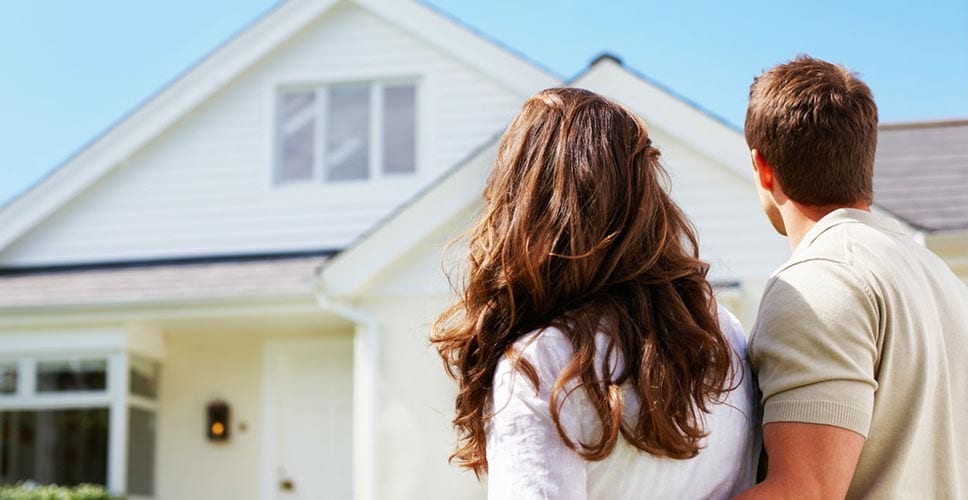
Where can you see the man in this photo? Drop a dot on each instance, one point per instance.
(861, 341)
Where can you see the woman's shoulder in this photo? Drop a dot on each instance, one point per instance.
(546, 353)
(547, 350)
(732, 330)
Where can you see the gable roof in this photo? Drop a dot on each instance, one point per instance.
(921, 173)
(227, 62)
(348, 273)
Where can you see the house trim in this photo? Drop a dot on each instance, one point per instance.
(200, 259)
(98, 314)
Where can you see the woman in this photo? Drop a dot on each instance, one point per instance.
(590, 356)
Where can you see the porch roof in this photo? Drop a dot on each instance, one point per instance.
(143, 283)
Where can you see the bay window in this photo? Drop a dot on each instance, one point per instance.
(63, 419)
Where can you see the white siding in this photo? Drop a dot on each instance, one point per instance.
(204, 187)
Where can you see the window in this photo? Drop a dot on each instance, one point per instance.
(399, 133)
(8, 378)
(298, 128)
(56, 414)
(141, 451)
(72, 375)
(143, 377)
(346, 132)
(67, 447)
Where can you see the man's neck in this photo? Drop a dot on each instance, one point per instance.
(799, 219)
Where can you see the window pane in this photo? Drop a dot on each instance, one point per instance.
(141, 452)
(399, 129)
(66, 447)
(73, 375)
(348, 141)
(144, 377)
(297, 125)
(8, 378)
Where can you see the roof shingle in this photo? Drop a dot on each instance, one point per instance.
(146, 284)
(921, 173)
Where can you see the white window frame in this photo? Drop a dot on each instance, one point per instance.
(116, 398)
(375, 169)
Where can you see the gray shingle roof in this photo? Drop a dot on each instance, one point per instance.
(174, 282)
(921, 173)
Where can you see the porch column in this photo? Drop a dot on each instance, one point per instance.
(118, 426)
(365, 410)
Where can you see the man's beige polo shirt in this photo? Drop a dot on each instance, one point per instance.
(865, 329)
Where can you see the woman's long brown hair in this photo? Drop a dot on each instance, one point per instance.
(578, 232)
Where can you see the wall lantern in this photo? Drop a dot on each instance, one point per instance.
(218, 421)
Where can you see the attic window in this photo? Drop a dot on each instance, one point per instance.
(346, 132)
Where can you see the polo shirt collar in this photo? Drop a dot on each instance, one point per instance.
(848, 216)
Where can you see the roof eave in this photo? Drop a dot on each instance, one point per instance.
(156, 309)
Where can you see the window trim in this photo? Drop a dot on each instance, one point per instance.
(375, 171)
(27, 393)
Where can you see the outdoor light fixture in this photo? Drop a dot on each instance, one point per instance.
(218, 421)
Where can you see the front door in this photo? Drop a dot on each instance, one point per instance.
(308, 394)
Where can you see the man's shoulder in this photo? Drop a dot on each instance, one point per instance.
(816, 274)
(841, 255)
(812, 294)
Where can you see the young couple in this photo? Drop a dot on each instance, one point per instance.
(593, 361)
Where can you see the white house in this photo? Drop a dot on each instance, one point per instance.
(228, 294)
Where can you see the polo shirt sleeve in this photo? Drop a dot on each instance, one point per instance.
(814, 347)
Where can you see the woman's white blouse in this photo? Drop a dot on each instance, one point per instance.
(527, 459)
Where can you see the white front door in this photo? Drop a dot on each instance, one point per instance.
(308, 393)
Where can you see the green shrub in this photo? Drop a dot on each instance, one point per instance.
(82, 492)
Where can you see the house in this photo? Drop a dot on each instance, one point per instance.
(228, 294)
(921, 178)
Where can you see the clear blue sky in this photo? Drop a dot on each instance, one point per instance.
(71, 69)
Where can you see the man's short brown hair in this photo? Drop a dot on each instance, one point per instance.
(815, 123)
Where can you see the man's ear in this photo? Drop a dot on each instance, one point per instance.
(764, 172)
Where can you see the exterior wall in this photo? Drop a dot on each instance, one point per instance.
(207, 361)
(416, 406)
(952, 247)
(204, 186)
(198, 369)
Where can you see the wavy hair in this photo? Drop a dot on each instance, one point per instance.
(578, 232)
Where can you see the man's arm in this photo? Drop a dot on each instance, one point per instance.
(807, 461)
